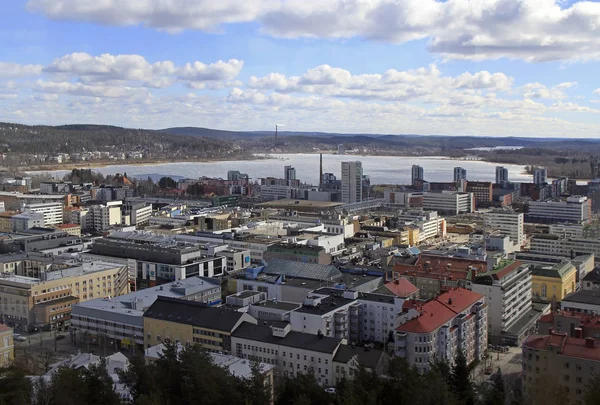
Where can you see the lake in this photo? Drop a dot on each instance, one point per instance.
(381, 169)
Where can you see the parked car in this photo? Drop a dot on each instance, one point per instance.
(330, 390)
(60, 337)
(19, 338)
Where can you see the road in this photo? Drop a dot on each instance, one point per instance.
(510, 363)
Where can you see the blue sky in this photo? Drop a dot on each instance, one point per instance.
(489, 68)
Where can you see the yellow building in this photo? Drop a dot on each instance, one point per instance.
(45, 300)
(551, 283)
(189, 322)
(71, 229)
(7, 348)
(5, 222)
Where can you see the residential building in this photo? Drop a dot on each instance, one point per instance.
(400, 288)
(297, 253)
(430, 225)
(235, 175)
(573, 209)
(104, 216)
(121, 318)
(508, 222)
(53, 212)
(539, 175)
(352, 180)
(7, 347)
(501, 175)
(27, 220)
(293, 352)
(6, 225)
(507, 288)
(69, 229)
(289, 173)
(45, 300)
(416, 174)
(348, 361)
(189, 322)
(449, 202)
(564, 363)
(584, 301)
(574, 324)
(591, 281)
(440, 328)
(482, 192)
(460, 174)
(551, 283)
(136, 213)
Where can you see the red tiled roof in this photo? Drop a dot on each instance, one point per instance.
(587, 320)
(440, 267)
(571, 347)
(66, 226)
(507, 269)
(402, 287)
(4, 328)
(440, 310)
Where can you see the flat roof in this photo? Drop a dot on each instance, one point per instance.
(288, 203)
(283, 305)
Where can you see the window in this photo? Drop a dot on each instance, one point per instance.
(566, 377)
(567, 365)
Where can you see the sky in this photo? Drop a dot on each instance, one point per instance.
(453, 67)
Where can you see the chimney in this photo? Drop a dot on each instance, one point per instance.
(320, 172)
(590, 342)
(578, 332)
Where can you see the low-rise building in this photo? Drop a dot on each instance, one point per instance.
(70, 229)
(591, 281)
(121, 318)
(551, 283)
(189, 322)
(52, 212)
(297, 253)
(583, 263)
(27, 220)
(584, 301)
(440, 328)
(556, 360)
(7, 348)
(349, 359)
(574, 324)
(294, 353)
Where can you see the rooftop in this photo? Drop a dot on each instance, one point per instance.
(440, 310)
(501, 270)
(584, 297)
(311, 271)
(4, 328)
(566, 346)
(193, 313)
(593, 276)
(326, 304)
(282, 305)
(299, 204)
(401, 287)
(261, 333)
(368, 358)
(558, 270)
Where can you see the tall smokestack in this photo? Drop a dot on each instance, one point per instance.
(275, 134)
(320, 172)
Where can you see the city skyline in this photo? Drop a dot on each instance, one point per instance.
(500, 68)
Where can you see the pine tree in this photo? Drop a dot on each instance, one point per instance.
(460, 383)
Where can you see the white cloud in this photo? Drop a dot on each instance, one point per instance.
(597, 91)
(533, 30)
(220, 70)
(80, 89)
(539, 91)
(14, 70)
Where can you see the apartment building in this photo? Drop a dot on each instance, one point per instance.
(508, 222)
(574, 324)
(416, 174)
(121, 318)
(460, 174)
(52, 211)
(440, 328)
(101, 217)
(507, 288)
(189, 322)
(136, 213)
(293, 352)
(6, 226)
(573, 209)
(591, 281)
(449, 202)
(482, 192)
(559, 361)
(551, 283)
(352, 182)
(430, 225)
(7, 347)
(69, 229)
(45, 301)
(501, 175)
(539, 175)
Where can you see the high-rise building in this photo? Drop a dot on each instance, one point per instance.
(501, 175)
(352, 181)
(289, 173)
(460, 174)
(539, 175)
(508, 222)
(416, 174)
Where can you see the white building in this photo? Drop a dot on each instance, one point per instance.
(574, 209)
(102, 216)
(508, 222)
(53, 212)
(539, 175)
(277, 192)
(508, 295)
(352, 180)
(137, 214)
(460, 174)
(292, 352)
(586, 301)
(566, 230)
(429, 223)
(557, 246)
(449, 202)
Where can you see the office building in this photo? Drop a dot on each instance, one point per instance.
(556, 362)
(416, 174)
(53, 212)
(289, 173)
(428, 223)
(460, 174)
(551, 283)
(440, 328)
(508, 222)
(136, 213)
(7, 347)
(539, 175)
(507, 288)
(297, 253)
(584, 263)
(121, 318)
(45, 300)
(501, 175)
(573, 209)
(27, 220)
(482, 190)
(352, 182)
(585, 301)
(293, 352)
(449, 202)
(189, 322)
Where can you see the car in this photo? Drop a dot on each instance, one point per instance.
(60, 337)
(19, 338)
(330, 390)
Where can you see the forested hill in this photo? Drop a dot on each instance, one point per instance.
(19, 138)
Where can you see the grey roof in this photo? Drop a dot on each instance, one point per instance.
(193, 313)
(311, 271)
(322, 344)
(584, 297)
(366, 357)
(593, 276)
(326, 305)
(283, 305)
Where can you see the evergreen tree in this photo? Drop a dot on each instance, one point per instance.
(99, 386)
(258, 391)
(592, 391)
(15, 387)
(460, 383)
(167, 182)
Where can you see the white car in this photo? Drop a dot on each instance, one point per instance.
(330, 390)
(19, 338)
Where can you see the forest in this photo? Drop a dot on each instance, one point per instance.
(188, 376)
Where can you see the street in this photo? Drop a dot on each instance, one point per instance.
(510, 363)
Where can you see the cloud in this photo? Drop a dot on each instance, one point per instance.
(597, 91)
(80, 89)
(533, 30)
(14, 70)
(200, 72)
(539, 91)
